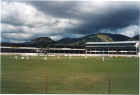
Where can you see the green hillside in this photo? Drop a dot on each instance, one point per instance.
(42, 41)
(135, 38)
(101, 37)
(72, 42)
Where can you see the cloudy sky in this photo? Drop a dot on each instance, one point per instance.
(24, 20)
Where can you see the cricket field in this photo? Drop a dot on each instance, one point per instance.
(69, 74)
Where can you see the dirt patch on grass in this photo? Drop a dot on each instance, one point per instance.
(83, 80)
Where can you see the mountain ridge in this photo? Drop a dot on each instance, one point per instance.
(73, 42)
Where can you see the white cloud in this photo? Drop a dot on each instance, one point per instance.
(7, 27)
(27, 21)
(60, 36)
(130, 30)
(20, 35)
(56, 37)
(98, 7)
(22, 13)
(22, 20)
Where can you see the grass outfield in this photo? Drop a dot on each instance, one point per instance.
(70, 75)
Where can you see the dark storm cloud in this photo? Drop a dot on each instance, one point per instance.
(118, 14)
(112, 21)
(56, 9)
(30, 19)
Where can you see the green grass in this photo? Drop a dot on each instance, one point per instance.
(69, 75)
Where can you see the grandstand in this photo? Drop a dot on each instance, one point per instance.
(121, 47)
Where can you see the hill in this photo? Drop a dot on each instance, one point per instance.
(42, 42)
(135, 38)
(100, 37)
(72, 42)
(67, 40)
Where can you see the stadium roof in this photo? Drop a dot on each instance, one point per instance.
(19, 47)
(117, 42)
